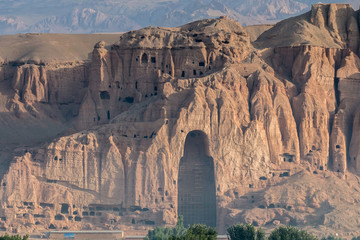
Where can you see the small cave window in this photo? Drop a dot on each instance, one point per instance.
(136, 85)
(201, 73)
(155, 88)
(183, 74)
(52, 226)
(144, 58)
(64, 208)
(59, 217)
(108, 115)
(153, 59)
(104, 95)
(337, 146)
(129, 99)
(201, 64)
(194, 72)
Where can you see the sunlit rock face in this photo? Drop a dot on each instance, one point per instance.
(191, 120)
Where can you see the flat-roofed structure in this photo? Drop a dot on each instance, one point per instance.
(85, 235)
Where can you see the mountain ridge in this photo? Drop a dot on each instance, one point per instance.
(121, 16)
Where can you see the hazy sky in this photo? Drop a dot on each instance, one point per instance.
(82, 16)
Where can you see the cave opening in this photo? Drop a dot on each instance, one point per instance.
(196, 182)
(104, 95)
(144, 58)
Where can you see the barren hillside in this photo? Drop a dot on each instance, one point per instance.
(199, 120)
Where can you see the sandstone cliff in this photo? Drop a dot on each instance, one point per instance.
(116, 132)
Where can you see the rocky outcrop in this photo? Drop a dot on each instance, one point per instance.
(257, 119)
(326, 25)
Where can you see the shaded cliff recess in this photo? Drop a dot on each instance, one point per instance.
(197, 120)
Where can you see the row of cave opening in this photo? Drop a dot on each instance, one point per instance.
(145, 59)
(196, 187)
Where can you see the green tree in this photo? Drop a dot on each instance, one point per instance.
(14, 237)
(245, 232)
(166, 233)
(331, 237)
(200, 232)
(290, 233)
(356, 238)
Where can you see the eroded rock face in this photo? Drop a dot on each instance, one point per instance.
(263, 117)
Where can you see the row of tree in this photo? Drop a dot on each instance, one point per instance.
(14, 237)
(235, 232)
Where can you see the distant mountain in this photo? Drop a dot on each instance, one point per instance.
(89, 16)
(10, 25)
(86, 20)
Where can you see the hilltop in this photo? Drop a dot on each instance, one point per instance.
(211, 120)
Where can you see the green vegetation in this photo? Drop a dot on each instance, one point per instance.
(236, 232)
(245, 232)
(14, 237)
(290, 233)
(200, 232)
(194, 232)
(164, 233)
(331, 237)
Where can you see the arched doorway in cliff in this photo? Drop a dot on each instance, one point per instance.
(196, 182)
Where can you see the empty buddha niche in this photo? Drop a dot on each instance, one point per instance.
(196, 182)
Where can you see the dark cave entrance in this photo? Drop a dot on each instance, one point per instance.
(196, 182)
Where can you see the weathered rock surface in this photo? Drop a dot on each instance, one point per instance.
(278, 125)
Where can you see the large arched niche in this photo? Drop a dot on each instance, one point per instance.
(196, 181)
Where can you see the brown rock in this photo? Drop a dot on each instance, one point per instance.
(269, 129)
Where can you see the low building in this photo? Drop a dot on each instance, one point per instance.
(85, 235)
